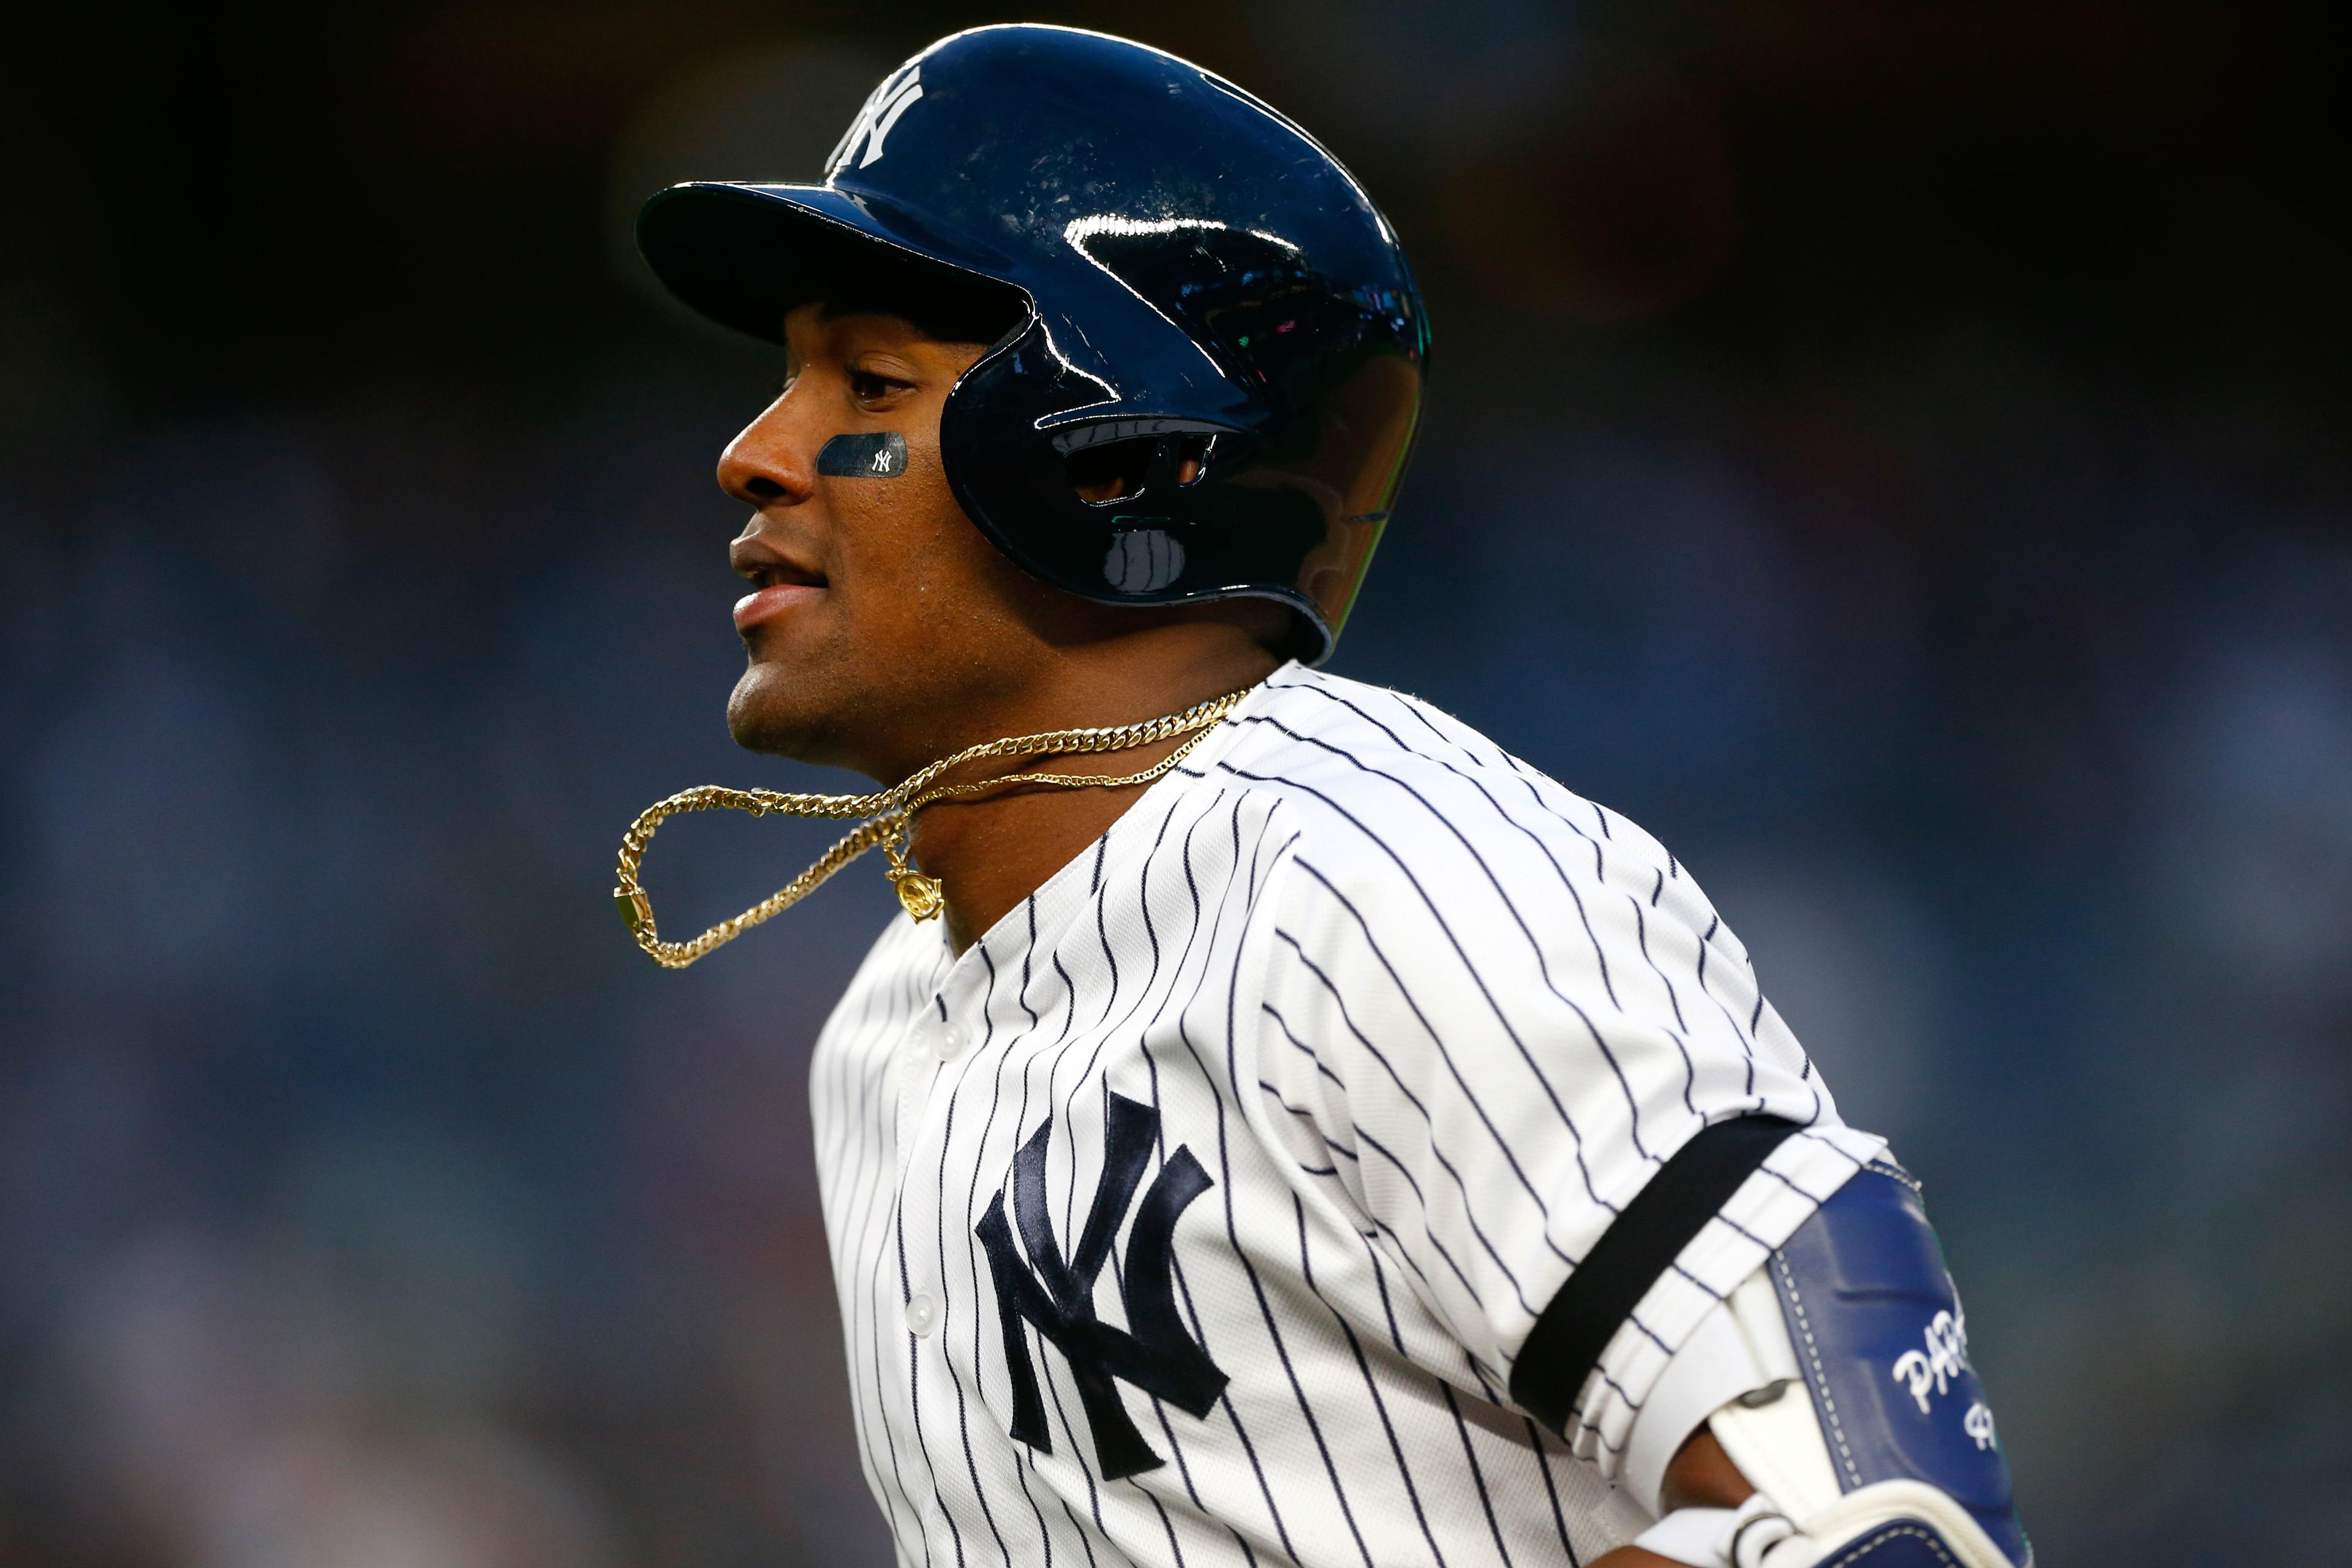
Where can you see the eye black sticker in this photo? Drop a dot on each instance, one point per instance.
(873, 455)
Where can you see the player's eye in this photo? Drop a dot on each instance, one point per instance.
(868, 387)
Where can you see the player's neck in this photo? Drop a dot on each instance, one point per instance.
(992, 853)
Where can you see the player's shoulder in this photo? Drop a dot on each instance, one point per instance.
(1323, 736)
(1395, 817)
(1376, 784)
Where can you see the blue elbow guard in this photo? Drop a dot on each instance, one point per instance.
(1881, 1346)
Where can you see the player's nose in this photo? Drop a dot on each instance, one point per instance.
(768, 463)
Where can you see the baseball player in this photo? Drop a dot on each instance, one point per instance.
(1284, 1127)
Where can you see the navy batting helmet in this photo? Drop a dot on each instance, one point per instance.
(1211, 301)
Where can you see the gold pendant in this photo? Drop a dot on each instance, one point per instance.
(919, 894)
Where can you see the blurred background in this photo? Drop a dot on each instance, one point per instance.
(1896, 452)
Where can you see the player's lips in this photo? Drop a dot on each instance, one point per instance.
(776, 587)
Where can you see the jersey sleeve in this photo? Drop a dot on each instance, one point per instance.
(1504, 1023)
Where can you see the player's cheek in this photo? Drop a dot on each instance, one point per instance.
(914, 526)
(874, 569)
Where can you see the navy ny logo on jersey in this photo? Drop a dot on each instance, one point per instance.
(1154, 1352)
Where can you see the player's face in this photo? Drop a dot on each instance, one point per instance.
(880, 622)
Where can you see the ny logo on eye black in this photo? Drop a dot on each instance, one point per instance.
(1154, 1353)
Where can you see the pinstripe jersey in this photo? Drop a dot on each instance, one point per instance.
(1195, 1214)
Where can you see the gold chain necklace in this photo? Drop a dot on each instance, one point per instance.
(888, 813)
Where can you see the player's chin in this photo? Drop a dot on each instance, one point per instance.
(780, 710)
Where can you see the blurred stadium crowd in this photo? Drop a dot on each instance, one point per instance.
(1898, 453)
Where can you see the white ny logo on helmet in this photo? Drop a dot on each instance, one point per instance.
(892, 99)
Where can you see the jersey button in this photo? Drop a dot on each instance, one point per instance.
(948, 1043)
(922, 1316)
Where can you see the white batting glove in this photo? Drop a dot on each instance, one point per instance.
(1749, 1536)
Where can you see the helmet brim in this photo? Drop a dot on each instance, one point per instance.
(743, 255)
